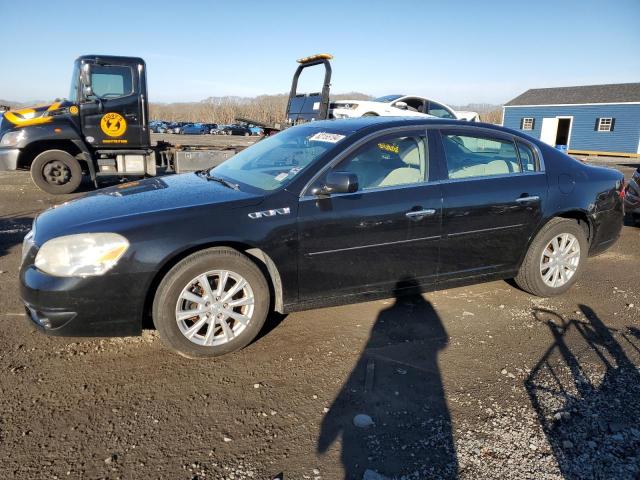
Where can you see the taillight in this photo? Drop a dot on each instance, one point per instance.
(622, 188)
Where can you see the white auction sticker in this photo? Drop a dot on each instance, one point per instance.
(327, 137)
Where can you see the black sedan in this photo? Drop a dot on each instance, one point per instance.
(237, 130)
(325, 213)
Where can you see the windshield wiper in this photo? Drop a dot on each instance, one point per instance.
(220, 180)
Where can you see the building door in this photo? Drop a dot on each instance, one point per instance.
(564, 131)
(549, 131)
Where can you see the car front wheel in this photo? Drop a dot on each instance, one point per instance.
(555, 258)
(211, 303)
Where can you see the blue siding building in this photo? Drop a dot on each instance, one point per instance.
(587, 119)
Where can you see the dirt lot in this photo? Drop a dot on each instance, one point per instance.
(477, 382)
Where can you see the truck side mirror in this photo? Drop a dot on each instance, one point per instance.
(85, 74)
(87, 90)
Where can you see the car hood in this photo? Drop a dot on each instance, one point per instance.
(150, 197)
(338, 103)
(25, 117)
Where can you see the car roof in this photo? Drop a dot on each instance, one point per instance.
(380, 123)
(366, 125)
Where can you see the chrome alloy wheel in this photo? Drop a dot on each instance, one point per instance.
(214, 308)
(560, 259)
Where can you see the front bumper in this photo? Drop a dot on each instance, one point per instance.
(632, 198)
(344, 113)
(9, 158)
(108, 305)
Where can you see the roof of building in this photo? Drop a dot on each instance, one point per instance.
(611, 93)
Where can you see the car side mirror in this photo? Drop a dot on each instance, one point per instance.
(401, 105)
(339, 182)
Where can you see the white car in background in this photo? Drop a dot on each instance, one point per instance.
(398, 106)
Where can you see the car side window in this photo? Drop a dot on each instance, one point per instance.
(388, 162)
(111, 81)
(527, 158)
(479, 156)
(438, 110)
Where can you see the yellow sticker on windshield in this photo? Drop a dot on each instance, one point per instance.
(113, 124)
(389, 147)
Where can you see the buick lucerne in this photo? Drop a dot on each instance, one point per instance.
(325, 213)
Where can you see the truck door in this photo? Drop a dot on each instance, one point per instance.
(113, 115)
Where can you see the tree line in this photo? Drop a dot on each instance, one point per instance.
(268, 109)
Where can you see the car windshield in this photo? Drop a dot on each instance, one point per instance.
(273, 162)
(387, 98)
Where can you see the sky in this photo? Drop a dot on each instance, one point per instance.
(463, 51)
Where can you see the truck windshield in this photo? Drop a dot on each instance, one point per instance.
(273, 162)
(75, 78)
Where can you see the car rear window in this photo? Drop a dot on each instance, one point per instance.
(527, 158)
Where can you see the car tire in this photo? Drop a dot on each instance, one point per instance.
(246, 134)
(56, 172)
(370, 114)
(534, 271)
(184, 279)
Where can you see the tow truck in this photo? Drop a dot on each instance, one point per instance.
(102, 128)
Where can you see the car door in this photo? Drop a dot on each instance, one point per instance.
(386, 232)
(492, 205)
(111, 117)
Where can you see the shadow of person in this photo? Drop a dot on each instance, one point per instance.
(397, 383)
(585, 390)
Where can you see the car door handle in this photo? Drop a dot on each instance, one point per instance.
(131, 116)
(531, 199)
(418, 214)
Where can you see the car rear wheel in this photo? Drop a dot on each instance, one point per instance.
(370, 114)
(555, 258)
(211, 303)
(56, 172)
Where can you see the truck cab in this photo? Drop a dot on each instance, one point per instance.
(100, 129)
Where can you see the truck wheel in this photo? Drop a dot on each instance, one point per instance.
(555, 258)
(56, 172)
(211, 303)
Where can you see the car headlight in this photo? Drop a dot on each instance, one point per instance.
(27, 242)
(347, 106)
(81, 255)
(10, 139)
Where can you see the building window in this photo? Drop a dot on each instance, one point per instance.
(605, 124)
(527, 123)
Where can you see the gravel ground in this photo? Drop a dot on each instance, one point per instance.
(479, 382)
